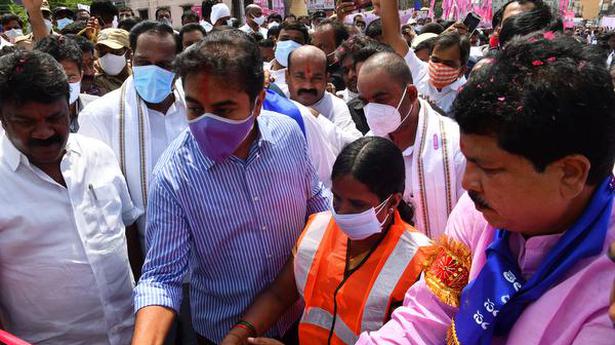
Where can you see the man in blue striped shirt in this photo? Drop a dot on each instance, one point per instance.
(228, 198)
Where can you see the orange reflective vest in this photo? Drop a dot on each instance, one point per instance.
(339, 308)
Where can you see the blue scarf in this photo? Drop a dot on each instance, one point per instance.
(493, 301)
(283, 105)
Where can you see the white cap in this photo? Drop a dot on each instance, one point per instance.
(219, 11)
(422, 38)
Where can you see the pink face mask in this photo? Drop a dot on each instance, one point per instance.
(441, 75)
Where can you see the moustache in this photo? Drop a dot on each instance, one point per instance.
(56, 139)
(312, 92)
(478, 200)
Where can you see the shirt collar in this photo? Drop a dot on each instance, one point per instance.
(14, 157)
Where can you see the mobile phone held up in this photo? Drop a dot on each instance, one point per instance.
(471, 22)
(359, 4)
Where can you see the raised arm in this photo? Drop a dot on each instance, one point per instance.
(391, 27)
(37, 22)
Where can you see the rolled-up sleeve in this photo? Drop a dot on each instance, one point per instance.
(168, 240)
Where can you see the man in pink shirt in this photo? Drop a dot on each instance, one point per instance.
(531, 235)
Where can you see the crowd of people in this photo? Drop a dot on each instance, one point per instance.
(341, 178)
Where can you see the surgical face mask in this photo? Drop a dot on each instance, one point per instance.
(153, 83)
(259, 20)
(383, 118)
(62, 23)
(359, 226)
(75, 90)
(283, 50)
(229, 22)
(112, 64)
(219, 137)
(48, 24)
(13, 33)
(418, 29)
(441, 75)
(272, 25)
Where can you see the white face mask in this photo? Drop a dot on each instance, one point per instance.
(229, 22)
(272, 25)
(75, 90)
(259, 20)
(112, 64)
(13, 33)
(48, 24)
(383, 118)
(359, 226)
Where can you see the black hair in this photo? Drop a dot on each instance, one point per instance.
(128, 23)
(256, 36)
(84, 44)
(104, 9)
(190, 15)
(540, 18)
(190, 28)
(449, 39)
(351, 46)
(8, 50)
(339, 30)
(266, 43)
(159, 9)
(499, 14)
(274, 32)
(6, 18)
(544, 97)
(231, 54)
(370, 49)
(61, 48)
(73, 28)
(379, 165)
(374, 29)
(433, 28)
(206, 9)
(297, 27)
(289, 16)
(427, 44)
(152, 26)
(274, 16)
(125, 8)
(31, 76)
(319, 14)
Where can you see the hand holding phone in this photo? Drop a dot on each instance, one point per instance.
(471, 22)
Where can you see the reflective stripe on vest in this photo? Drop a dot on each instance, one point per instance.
(375, 310)
(306, 252)
(322, 318)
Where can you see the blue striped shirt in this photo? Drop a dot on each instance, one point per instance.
(233, 224)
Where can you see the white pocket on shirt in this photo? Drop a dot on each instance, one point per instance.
(109, 206)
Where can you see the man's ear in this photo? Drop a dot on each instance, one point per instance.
(258, 103)
(412, 92)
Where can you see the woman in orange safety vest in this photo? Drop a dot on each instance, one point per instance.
(352, 265)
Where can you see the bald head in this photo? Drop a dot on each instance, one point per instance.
(308, 56)
(393, 65)
(306, 75)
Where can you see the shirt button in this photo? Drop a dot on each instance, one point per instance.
(264, 228)
(255, 198)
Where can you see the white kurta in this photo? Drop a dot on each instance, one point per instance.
(434, 171)
(336, 110)
(64, 271)
(143, 140)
